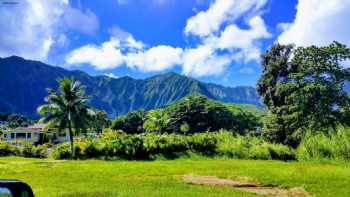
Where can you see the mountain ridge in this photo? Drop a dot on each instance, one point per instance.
(23, 86)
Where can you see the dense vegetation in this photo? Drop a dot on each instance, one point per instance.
(21, 79)
(189, 115)
(13, 120)
(325, 146)
(118, 145)
(303, 89)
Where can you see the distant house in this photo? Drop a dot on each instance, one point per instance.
(33, 133)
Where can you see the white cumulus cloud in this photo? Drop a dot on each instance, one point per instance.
(318, 22)
(203, 61)
(241, 45)
(27, 28)
(123, 49)
(220, 11)
(157, 58)
(106, 56)
(234, 38)
(128, 42)
(31, 28)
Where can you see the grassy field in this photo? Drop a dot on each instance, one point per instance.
(161, 178)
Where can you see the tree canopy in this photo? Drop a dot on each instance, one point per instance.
(131, 123)
(67, 108)
(303, 87)
(189, 115)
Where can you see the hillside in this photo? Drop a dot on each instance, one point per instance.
(23, 86)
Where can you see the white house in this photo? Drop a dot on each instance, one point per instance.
(33, 133)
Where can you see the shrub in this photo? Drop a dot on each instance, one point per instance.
(281, 152)
(7, 149)
(166, 145)
(249, 147)
(92, 148)
(117, 145)
(320, 146)
(203, 143)
(120, 145)
(61, 151)
(39, 151)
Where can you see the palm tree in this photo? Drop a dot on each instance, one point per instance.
(161, 121)
(67, 108)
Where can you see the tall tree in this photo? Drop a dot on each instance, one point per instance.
(304, 88)
(100, 121)
(67, 108)
(156, 121)
(131, 123)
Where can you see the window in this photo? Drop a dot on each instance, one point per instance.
(21, 135)
(12, 135)
(29, 135)
(5, 135)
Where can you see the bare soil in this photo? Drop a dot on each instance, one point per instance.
(248, 185)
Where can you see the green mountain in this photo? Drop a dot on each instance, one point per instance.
(23, 86)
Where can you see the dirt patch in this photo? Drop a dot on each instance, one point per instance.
(248, 185)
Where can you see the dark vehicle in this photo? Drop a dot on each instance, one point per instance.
(15, 188)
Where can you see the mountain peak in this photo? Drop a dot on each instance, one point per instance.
(14, 57)
(29, 79)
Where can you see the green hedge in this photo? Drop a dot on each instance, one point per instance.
(8, 149)
(114, 144)
(118, 145)
(23, 149)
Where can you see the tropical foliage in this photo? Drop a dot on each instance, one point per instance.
(14, 120)
(98, 121)
(130, 123)
(303, 88)
(118, 145)
(320, 145)
(67, 108)
(190, 115)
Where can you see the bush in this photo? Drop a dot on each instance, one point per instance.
(25, 149)
(321, 146)
(249, 147)
(203, 143)
(126, 146)
(7, 149)
(118, 145)
(61, 151)
(281, 152)
(166, 145)
(39, 151)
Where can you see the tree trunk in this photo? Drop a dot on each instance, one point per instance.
(71, 140)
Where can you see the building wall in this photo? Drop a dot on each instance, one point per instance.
(29, 135)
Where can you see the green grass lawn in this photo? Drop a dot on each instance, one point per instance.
(161, 178)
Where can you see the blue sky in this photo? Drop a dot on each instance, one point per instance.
(216, 41)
